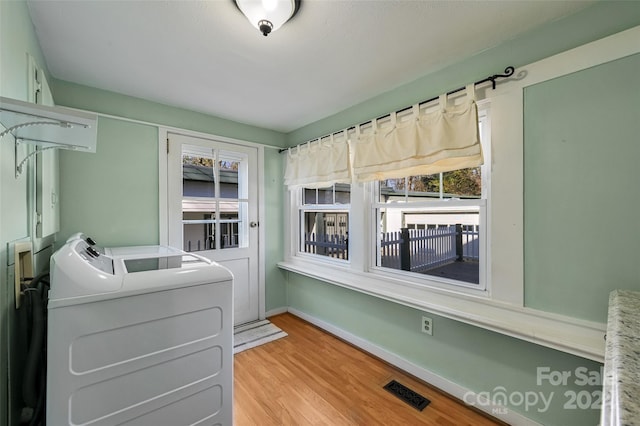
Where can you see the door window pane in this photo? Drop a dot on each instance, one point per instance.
(198, 231)
(228, 178)
(234, 231)
(198, 178)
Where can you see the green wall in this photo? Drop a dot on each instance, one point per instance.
(581, 189)
(17, 38)
(474, 358)
(112, 195)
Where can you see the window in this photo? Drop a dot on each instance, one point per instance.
(213, 200)
(324, 221)
(429, 238)
(432, 226)
(428, 230)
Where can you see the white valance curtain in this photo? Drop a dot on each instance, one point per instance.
(440, 141)
(320, 163)
(427, 143)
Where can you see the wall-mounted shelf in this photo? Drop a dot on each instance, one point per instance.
(49, 126)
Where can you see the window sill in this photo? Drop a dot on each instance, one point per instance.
(571, 335)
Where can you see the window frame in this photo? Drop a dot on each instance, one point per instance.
(443, 204)
(363, 245)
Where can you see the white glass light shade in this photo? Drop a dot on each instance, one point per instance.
(277, 12)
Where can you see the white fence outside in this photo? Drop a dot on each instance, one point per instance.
(416, 250)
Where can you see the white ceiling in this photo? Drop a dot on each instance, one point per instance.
(205, 56)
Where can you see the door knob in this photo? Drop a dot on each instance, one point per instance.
(253, 224)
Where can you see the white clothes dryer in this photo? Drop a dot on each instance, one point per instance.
(138, 336)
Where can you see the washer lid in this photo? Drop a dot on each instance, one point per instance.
(141, 251)
(156, 263)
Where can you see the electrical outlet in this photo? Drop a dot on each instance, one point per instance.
(427, 326)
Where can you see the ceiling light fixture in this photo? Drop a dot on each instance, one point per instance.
(268, 15)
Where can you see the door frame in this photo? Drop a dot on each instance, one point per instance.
(163, 196)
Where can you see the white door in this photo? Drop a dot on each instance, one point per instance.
(213, 210)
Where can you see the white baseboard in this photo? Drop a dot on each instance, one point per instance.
(498, 411)
(276, 311)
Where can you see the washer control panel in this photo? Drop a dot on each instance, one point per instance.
(94, 257)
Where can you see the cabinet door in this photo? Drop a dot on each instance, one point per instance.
(47, 208)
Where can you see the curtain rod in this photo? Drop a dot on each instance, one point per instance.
(508, 72)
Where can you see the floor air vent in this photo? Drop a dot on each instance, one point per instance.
(412, 398)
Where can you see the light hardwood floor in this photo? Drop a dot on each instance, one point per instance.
(313, 378)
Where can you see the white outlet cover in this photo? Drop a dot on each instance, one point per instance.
(427, 325)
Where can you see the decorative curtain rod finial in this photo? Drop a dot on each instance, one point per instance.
(508, 72)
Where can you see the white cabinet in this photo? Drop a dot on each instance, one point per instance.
(47, 209)
(47, 218)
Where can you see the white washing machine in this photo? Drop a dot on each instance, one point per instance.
(138, 336)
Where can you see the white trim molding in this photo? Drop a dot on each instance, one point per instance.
(276, 311)
(578, 337)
